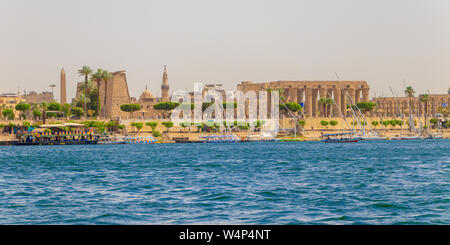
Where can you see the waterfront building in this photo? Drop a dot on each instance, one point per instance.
(10, 99)
(38, 98)
(394, 107)
(113, 94)
(308, 93)
(147, 100)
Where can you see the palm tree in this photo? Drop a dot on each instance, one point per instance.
(105, 76)
(326, 103)
(425, 98)
(85, 71)
(409, 92)
(97, 77)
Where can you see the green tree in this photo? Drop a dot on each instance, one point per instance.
(23, 107)
(166, 107)
(137, 125)
(66, 108)
(152, 125)
(167, 125)
(85, 71)
(54, 106)
(77, 111)
(99, 76)
(185, 125)
(199, 126)
(8, 113)
(302, 123)
(434, 121)
(290, 106)
(366, 106)
(385, 123)
(37, 114)
(326, 103)
(425, 99)
(324, 123)
(130, 108)
(409, 92)
(374, 123)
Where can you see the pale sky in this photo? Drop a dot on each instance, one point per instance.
(383, 42)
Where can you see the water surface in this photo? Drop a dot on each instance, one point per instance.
(386, 182)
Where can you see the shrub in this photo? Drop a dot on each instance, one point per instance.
(77, 111)
(374, 123)
(333, 123)
(324, 123)
(156, 134)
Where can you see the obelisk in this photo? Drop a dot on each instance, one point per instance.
(63, 98)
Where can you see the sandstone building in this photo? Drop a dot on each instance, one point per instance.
(394, 107)
(308, 93)
(38, 98)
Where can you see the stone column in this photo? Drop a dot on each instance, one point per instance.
(357, 95)
(308, 101)
(292, 97)
(314, 102)
(343, 102)
(337, 100)
(322, 93)
(365, 94)
(351, 93)
(300, 95)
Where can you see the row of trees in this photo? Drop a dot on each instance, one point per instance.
(35, 111)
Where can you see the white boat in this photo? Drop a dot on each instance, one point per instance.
(406, 137)
(264, 137)
(222, 138)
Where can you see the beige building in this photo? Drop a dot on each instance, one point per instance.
(38, 98)
(308, 93)
(392, 106)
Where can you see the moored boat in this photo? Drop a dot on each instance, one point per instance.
(339, 138)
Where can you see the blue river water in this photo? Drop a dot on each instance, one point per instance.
(385, 182)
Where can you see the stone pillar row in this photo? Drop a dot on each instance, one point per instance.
(310, 96)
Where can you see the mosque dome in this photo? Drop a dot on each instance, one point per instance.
(146, 95)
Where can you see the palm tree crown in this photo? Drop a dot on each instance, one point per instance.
(409, 91)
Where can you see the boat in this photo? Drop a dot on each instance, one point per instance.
(139, 140)
(57, 134)
(222, 138)
(108, 140)
(339, 138)
(262, 137)
(406, 137)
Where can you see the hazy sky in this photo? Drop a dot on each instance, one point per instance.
(227, 41)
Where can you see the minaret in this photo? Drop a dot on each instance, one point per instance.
(165, 86)
(63, 98)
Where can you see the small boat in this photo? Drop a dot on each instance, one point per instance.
(339, 138)
(261, 138)
(223, 138)
(406, 137)
(139, 140)
(108, 140)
